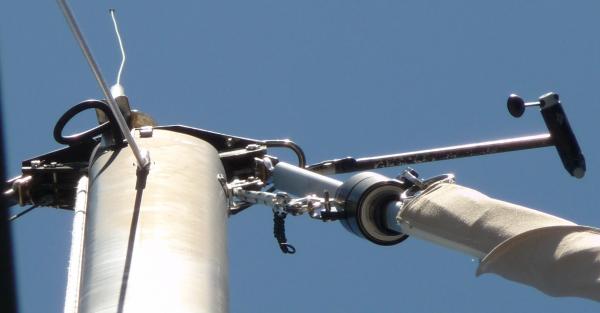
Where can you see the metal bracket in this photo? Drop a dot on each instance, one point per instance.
(283, 203)
(52, 177)
(417, 186)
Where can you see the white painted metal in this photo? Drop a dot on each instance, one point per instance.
(74, 271)
(161, 248)
(301, 182)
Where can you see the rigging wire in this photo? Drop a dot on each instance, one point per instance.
(16, 216)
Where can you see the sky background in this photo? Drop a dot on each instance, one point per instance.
(340, 78)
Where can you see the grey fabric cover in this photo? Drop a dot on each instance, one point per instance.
(549, 253)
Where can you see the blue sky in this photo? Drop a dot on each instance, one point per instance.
(339, 78)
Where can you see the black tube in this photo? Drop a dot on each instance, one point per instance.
(8, 302)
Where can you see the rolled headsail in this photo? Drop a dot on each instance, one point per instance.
(554, 255)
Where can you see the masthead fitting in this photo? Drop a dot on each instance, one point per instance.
(142, 160)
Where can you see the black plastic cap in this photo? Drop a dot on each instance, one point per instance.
(515, 105)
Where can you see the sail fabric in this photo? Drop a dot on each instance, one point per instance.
(554, 255)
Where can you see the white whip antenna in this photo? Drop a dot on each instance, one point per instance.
(117, 89)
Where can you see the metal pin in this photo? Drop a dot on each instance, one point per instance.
(16, 216)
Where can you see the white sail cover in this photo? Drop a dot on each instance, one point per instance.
(556, 256)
